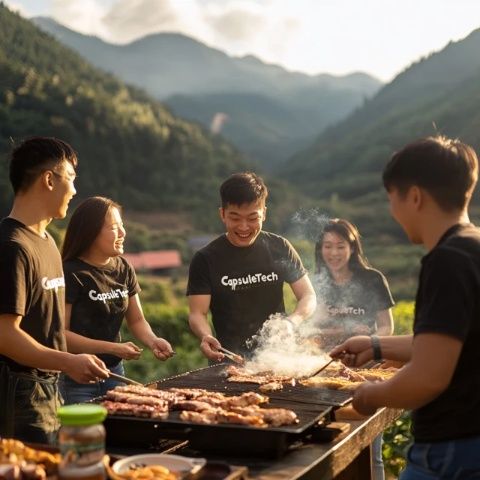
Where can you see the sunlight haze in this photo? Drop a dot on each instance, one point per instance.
(379, 37)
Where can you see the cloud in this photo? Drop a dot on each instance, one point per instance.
(250, 26)
(238, 25)
(130, 19)
(85, 16)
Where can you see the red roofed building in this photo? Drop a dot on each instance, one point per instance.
(161, 262)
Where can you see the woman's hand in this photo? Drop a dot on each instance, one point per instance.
(162, 349)
(127, 351)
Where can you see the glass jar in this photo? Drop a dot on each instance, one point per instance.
(82, 442)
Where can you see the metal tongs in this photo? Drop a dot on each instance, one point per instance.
(323, 367)
(234, 357)
(123, 379)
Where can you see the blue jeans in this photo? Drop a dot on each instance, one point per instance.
(452, 460)
(73, 392)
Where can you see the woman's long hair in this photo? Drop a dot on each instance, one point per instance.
(350, 233)
(86, 223)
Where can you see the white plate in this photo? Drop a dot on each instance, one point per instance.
(175, 463)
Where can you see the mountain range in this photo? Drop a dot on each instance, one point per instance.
(268, 112)
(130, 146)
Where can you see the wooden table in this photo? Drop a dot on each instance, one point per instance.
(348, 456)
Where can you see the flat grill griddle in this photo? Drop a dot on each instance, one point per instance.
(214, 378)
(220, 438)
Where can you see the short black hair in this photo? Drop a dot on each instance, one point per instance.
(446, 168)
(35, 155)
(242, 188)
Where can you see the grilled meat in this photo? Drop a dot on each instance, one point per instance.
(208, 417)
(203, 406)
(191, 405)
(147, 411)
(271, 387)
(149, 392)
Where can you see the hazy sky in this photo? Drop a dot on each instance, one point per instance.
(380, 37)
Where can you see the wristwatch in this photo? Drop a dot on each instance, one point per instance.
(377, 351)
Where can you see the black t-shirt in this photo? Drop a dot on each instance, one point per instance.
(32, 285)
(245, 283)
(354, 303)
(448, 302)
(99, 299)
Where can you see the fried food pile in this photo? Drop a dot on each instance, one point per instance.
(197, 405)
(147, 472)
(19, 462)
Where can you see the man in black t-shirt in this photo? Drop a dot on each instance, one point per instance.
(430, 183)
(239, 276)
(32, 303)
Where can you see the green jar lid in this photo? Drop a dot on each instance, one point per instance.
(81, 414)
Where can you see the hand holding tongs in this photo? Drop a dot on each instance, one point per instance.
(234, 357)
(123, 379)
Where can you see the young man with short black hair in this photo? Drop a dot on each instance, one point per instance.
(240, 275)
(430, 183)
(32, 303)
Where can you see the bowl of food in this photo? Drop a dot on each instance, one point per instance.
(155, 466)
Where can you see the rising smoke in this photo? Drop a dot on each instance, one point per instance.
(281, 348)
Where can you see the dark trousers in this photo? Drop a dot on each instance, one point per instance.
(28, 405)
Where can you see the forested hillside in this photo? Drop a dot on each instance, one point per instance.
(438, 94)
(130, 146)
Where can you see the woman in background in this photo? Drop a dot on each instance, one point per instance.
(353, 298)
(101, 290)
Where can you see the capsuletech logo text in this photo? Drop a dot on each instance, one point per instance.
(332, 311)
(111, 295)
(249, 279)
(53, 283)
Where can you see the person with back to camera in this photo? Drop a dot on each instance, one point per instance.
(102, 290)
(430, 184)
(32, 339)
(352, 297)
(240, 275)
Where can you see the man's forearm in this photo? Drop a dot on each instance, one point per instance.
(199, 325)
(305, 307)
(25, 350)
(407, 389)
(397, 347)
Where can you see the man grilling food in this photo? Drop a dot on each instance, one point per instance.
(239, 276)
